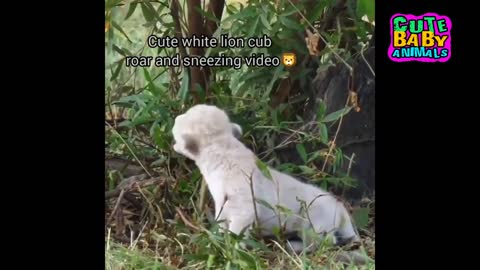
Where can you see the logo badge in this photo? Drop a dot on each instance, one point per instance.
(424, 38)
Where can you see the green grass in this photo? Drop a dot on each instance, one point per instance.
(212, 250)
(120, 257)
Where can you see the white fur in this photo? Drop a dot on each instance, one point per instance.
(227, 166)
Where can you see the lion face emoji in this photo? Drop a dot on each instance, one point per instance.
(289, 59)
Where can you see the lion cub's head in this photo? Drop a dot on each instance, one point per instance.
(201, 125)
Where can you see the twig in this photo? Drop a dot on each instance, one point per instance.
(180, 244)
(145, 197)
(119, 199)
(134, 243)
(288, 255)
(124, 166)
(174, 11)
(130, 184)
(350, 164)
(202, 196)
(109, 101)
(303, 207)
(257, 221)
(148, 144)
(332, 145)
(185, 220)
(109, 230)
(366, 62)
(128, 146)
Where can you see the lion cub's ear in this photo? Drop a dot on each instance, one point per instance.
(237, 130)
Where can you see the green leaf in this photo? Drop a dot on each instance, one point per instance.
(136, 99)
(339, 157)
(118, 50)
(306, 169)
(153, 11)
(253, 29)
(284, 35)
(213, 240)
(209, 15)
(147, 12)
(110, 39)
(161, 6)
(210, 260)
(147, 75)
(275, 117)
(264, 169)
(116, 26)
(256, 245)
(287, 167)
(131, 9)
(324, 185)
(264, 203)
(323, 133)
(159, 162)
(301, 151)
(159, 136)
(265, 22)
(284, 210)
(314, 156)
(248, 261)
(360, 216)
(126, 123)
(151, 86)
(144, 118)
(248, 12)
(289, 11)
(253, 76)
(196, 257)
(336, 115)
(183, 93)
(112, 3)
(278, 72)
(316, 13)
(322, 108)
(366, 7)
(241, 264)
(122, 51)
(277, 231)
(117, 70)
(289, 23)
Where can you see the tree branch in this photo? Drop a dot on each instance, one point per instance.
(174, 11)
(195, 27)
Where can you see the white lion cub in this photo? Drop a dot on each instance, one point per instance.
(205, 134)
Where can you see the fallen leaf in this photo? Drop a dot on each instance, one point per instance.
(314, 44)
(353, 100)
